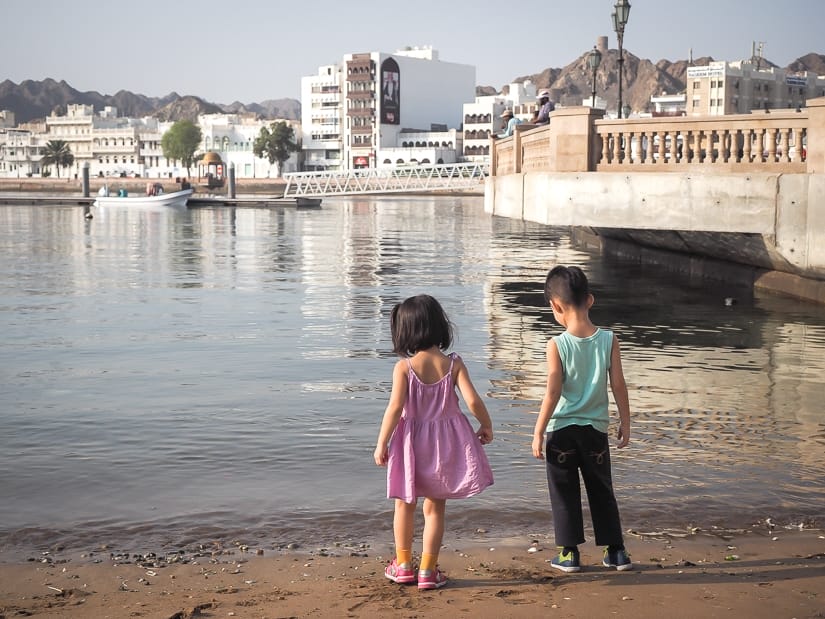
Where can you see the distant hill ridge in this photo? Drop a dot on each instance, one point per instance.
(642, 78)
(32, 100)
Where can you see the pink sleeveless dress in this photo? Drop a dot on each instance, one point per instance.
(434, 452)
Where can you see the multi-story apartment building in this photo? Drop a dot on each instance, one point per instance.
(322, 119)
(741, 87)
(355, 110)
(108, 144)
(20, 153)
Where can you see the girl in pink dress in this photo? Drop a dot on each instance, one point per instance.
(426, 442)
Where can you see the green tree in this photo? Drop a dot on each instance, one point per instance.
(275, 143)
(181, 141)
(57, 153)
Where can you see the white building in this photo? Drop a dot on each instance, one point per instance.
(20, 153)
(482, 118)
(322, 119)
(232, 136)
(669, 105)
(422, 148)
(114, 146)
(354, 111)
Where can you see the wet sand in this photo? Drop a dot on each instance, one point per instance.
(773, 574)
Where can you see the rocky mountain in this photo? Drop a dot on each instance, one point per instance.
(809, 62)
(186, 108)
(642, 79)
(271, 108)
(33, 100)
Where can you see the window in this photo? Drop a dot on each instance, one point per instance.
(697, 85)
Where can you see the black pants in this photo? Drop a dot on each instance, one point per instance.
(568, 451)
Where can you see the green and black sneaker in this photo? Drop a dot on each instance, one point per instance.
(617, 558)
(566, 561)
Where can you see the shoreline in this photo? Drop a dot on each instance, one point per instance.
(778, 573)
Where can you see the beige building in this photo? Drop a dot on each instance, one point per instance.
(740, 87)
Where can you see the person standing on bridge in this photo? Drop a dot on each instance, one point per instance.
(573, 422)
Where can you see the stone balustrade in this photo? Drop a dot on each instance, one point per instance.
(581, 140)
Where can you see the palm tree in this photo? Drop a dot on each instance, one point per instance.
(57, 153)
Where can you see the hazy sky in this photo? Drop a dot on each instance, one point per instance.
(252, 51)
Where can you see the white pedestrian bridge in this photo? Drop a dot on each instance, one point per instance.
(406, 179)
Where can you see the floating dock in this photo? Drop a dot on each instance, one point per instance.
(252, 201)
(249, 201)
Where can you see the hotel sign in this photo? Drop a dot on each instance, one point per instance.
(795, 80)
(697, 72)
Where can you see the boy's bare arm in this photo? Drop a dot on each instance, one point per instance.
(619, 388)
(552, 394)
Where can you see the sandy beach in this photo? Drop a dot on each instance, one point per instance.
(751, 573)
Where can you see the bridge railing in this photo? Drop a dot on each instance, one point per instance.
(580, 140)
(744, 142)
(387, 180)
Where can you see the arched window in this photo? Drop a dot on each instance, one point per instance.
(399, 161)
(387, 161)
(425, 160)
(440, 161)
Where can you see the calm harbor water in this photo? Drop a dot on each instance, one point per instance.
(170, 378)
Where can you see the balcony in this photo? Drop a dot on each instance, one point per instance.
(361, 112)
(360, 95)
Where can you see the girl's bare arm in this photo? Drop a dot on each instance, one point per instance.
(474, 403)
(392, 413)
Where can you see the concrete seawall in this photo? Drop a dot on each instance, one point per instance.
(773, 225)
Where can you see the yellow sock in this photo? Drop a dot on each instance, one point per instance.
(428, 561)
(403, 556)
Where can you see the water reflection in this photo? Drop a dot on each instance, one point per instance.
(170, 372)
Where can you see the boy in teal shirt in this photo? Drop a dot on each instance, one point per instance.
(574, 419)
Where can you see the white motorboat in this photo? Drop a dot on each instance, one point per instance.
(174, 199)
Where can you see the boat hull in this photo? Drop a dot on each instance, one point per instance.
(175, 199)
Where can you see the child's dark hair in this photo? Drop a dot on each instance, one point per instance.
(419, 323)
(568, 285)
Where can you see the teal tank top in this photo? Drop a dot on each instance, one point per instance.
(585, 362)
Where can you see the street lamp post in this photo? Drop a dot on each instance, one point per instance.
(594, 59)
(620, 15)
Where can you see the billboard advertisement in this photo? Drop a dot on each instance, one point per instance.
(390, 93)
